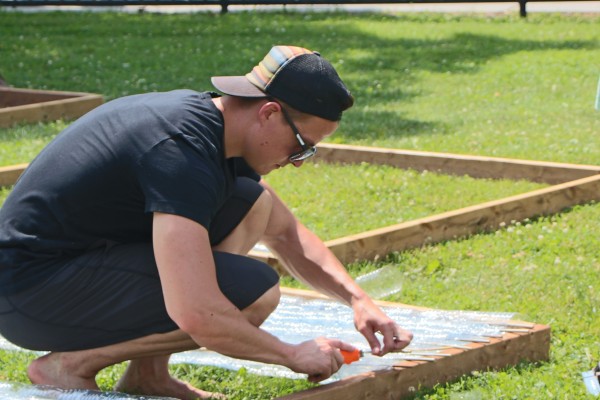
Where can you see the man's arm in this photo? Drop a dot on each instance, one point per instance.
(308, 259)
(197, 305)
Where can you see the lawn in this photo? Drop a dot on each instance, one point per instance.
(486, 85)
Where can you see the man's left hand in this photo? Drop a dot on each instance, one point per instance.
(369, 319)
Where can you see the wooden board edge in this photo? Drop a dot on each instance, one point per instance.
(68, 108)
(41, 92)
(10, 174)
(403, 380)
(457, 164)
(456, 223)
(465, 221)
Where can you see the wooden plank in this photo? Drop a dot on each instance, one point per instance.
(10, 174)
(465, 221)
(402, 381)
(482, 167)
(68, 109)
(457, 164)
(532, 345)
(28, 106)
(11, 97)
(41, 92)
(458, 223)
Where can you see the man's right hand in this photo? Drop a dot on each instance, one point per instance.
(319, 358)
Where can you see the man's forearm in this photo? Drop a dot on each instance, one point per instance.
(226, 331)
(307, 258)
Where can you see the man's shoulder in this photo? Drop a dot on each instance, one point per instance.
(165, 100)
(182, 94)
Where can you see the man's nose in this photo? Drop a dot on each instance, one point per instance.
(298, 164)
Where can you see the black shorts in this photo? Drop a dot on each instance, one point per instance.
(113, 294)
(245, 193)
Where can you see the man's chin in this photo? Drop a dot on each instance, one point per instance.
(270, 169)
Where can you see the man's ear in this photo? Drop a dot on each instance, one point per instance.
(268, 109)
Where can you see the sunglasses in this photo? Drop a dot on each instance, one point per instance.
(307, 151)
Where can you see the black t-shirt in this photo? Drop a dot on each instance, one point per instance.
(100, 180)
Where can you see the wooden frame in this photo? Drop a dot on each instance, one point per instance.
(28, 106)
(10, 174)
(572, 184)
(530, 343)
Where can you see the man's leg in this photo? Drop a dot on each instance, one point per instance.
(78, 369)
(150, 376)
(240, 238)
(238, 241)
(148, 372)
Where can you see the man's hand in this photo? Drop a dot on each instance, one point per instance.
(319, 358)
(369, 319)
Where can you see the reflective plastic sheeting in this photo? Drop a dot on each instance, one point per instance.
(14, 391)
(298, 319)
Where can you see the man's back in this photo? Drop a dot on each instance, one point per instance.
(101, 178)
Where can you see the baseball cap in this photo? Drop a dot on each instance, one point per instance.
(297, 76)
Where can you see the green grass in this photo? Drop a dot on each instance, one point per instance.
(364, 197)
(546, 270)
(4, 191)
(498, 86)
(486, 85)
(22, 143)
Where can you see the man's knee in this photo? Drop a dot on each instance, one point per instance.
(259, 214)
(249, 231)
(260, 310)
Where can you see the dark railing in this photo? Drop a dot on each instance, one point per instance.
(225, 3)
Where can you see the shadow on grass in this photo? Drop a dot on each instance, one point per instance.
(369, 125)
(118, 54)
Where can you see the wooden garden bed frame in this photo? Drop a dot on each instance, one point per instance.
(29, 106)
(530, 342)
(571, 184)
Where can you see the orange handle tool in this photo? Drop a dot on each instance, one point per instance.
(351, 356)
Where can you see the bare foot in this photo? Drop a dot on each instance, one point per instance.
(56, 369)
(136, 382)
(169, 388)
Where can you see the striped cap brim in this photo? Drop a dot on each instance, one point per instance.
(236, 86)
(256, 82)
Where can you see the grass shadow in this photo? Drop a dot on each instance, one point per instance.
(370, 125)
(377, 55)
